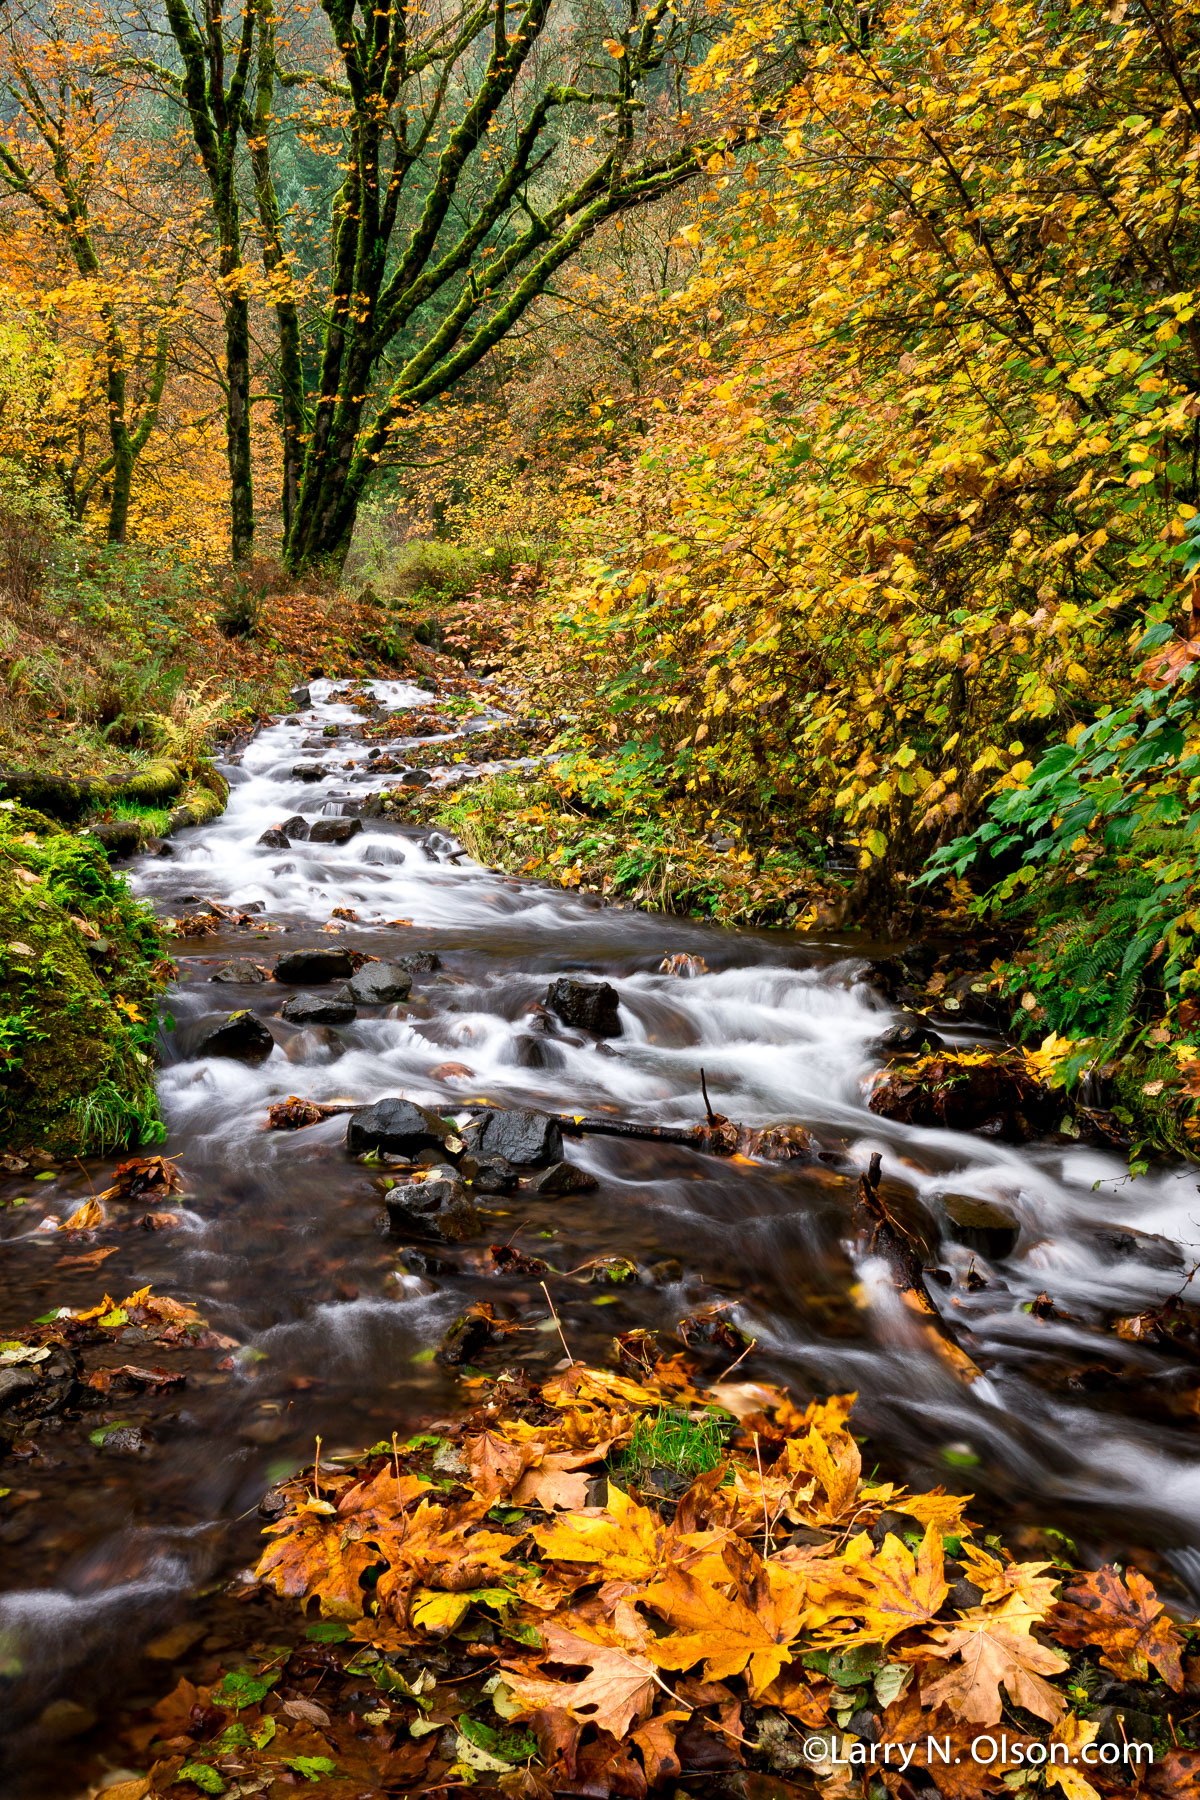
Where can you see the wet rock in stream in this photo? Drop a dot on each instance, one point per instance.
(377, 984)
(981, 1225)
(309, 771)
(316, 1043)
(240, 970)
(296, 828)
(318, 1009)
(521, 1137)
(396, 1125)
(242, 1036)
(418, 962)
(496, 1176)
(33, 1391)
(334, 831)
(274, 839)
(299, 967)
(439, 1206)
(591, 1005)
(562, 1178)
(907, 1037)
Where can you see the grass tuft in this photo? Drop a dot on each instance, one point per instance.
(672, 1443)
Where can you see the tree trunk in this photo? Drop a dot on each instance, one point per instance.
(237, 426)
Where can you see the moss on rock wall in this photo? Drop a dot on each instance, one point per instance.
(81, 962)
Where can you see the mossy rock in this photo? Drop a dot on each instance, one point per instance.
(81, 962)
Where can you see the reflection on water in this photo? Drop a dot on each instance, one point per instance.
(279, 1243)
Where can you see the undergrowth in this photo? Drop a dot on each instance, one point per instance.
(561, 824)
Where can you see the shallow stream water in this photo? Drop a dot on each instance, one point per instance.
(279, 1241)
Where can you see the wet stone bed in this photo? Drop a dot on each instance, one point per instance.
(337, 1280)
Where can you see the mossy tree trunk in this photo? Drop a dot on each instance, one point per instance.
(414, 308)
(215, 109)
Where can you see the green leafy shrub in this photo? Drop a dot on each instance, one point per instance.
(1096, 854)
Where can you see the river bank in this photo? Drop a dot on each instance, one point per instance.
(328, 1311)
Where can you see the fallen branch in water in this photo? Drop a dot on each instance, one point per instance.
(778, 1143)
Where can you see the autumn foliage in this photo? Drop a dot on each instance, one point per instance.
(761, 1606)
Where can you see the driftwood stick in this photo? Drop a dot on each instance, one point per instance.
(709, 1113)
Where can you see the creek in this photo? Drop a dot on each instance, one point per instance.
(279, 1243)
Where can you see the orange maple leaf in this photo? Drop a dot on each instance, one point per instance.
(889, 1589)
(629, 1541)
(618, 1688)
(993, 1655)
(1124, 1619)
(751, 1631)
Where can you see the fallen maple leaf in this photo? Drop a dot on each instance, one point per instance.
(994, 1655)
(752, 1630)
(890, 1589)
(627, 1540)
(619, 1687)
(496, 1464)
(557, 1482)
(1124, 1619)
(1076, 1734)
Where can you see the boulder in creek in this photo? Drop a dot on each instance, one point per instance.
(591, 1005)
(240, 969)
(964, 1091)
(562, 1178)
(496, 1176)
(317, 1009)
(526, 1051)
(519, 1136)
(396, 1125)
(274, 839)
(908, 1036)
(418, 962)
(299, 967)
(35, 1389)
(981, 1225)
(415, 778)
(295, 827)
(299, 697)
(242, 1036)
(377, 984)
(308, 772)
(334, 831)
(438, 1206)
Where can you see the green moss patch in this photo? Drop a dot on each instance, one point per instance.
(81, 962)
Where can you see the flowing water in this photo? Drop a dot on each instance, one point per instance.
(279, 1241)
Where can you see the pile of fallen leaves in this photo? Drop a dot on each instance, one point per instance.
(523, 1600)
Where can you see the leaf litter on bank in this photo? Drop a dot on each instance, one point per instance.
(513, 1603)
